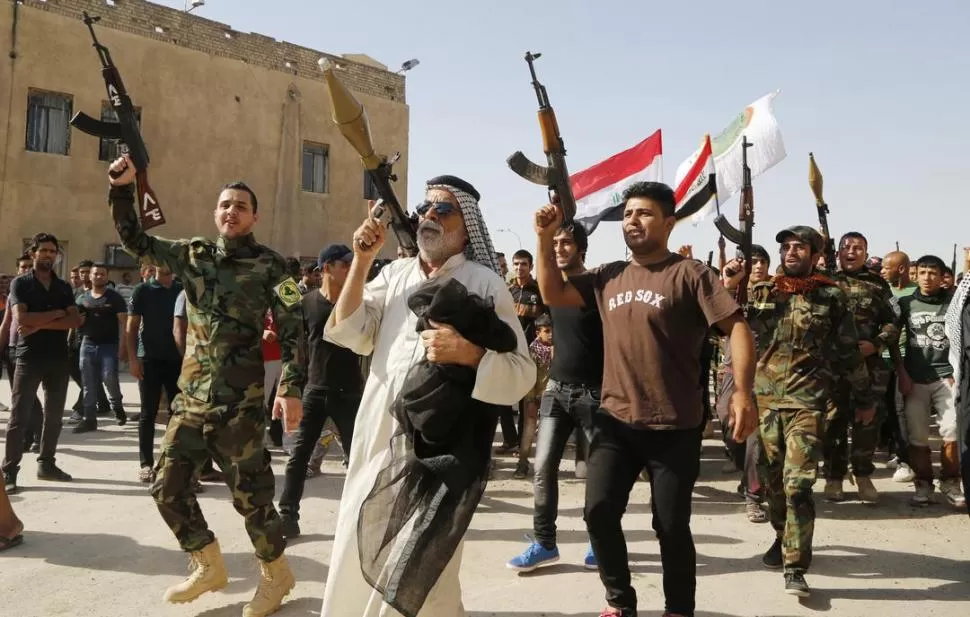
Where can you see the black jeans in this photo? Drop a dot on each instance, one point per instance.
(158, 374)
(34, 428)
(564, 407)
(892, 434)
(510, 435)
(618, 453)
(318, 405)
(52, 372)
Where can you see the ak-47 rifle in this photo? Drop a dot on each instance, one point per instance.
(815, 181)
(953, 262)
(351, 118)
(125, 130)
(741, 235)
(555, 176)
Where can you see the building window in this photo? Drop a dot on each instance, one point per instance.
(315, 172)
(116, 257)
(48, 122)
(110, 149)
(370, 189)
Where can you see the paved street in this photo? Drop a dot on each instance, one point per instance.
(97, 547)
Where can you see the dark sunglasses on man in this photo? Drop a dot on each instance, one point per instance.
(441, 208)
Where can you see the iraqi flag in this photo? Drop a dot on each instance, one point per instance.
(599, 189)
(699, 186)
(759, 124)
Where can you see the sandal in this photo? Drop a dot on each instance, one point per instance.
(6, 543)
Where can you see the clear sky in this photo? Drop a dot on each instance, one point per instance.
(879, 90)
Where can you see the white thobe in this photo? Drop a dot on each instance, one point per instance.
(385, 326)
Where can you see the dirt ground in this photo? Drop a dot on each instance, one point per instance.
(97, 547)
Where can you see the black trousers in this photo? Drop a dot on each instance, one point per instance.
(564, 408)
(29, 374)
(618, 453)
(74, 358)
(158, 374)
(891, 430)
(510, 435)
(318, 405)
(34, 427)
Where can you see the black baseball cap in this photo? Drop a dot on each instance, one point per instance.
(804, 233)
(335, 252)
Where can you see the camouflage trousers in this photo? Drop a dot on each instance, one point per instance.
(233, 436)
(838, 452)
(791, 448)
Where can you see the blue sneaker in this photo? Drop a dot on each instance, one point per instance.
(536, 556)
(589, 562)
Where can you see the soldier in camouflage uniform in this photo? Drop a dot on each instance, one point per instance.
(805, 336)
(870, 303)
(229, 286)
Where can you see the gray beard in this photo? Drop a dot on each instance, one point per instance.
(438, 247)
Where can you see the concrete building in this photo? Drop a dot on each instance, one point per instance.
(216, 105)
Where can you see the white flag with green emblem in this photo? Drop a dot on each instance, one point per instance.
(758, 123)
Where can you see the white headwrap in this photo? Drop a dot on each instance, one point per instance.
(480, 248)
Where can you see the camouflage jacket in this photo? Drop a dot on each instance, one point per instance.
(804, 341)
(870, 300)
(229, 286)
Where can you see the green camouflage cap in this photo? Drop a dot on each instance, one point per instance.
(804, 233)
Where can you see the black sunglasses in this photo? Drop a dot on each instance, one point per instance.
(441, 208)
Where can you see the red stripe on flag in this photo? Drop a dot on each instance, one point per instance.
(617, 167)
(695, 170)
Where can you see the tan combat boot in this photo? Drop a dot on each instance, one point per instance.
(833, 491)
(275, 583)
(867, 492)
(208, 574)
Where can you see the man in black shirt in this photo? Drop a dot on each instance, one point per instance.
(45, 311)
(334, 383)
(83, 268)
(103, 314)
(155, 360)
(571, 397)
(8, 343)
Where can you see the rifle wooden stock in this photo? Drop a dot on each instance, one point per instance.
(549, 127)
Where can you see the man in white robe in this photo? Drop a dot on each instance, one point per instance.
(453, 244)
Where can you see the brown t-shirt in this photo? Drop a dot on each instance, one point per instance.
(655, 320)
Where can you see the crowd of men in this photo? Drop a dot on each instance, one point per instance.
(817, 364)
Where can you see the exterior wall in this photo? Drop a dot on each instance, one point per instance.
(214, 109)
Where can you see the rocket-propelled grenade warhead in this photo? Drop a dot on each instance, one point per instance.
(350, 117)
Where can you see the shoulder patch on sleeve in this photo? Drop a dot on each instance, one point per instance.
(288, 293)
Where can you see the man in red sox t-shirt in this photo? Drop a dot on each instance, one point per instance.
(656, 311)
